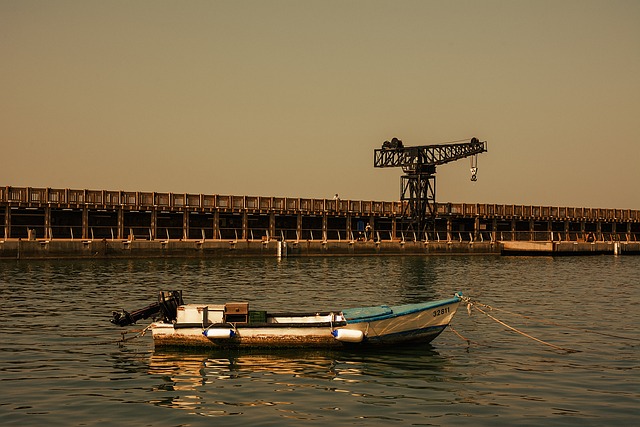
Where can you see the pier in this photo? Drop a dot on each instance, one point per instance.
(60, 223)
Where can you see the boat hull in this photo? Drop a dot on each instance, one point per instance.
(380, 325)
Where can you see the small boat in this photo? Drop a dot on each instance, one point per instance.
(235, 325)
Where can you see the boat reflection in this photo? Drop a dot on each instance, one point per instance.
(191, 370)
(225, 383)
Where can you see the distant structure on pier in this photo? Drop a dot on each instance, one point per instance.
(49, 213)
(418, 184)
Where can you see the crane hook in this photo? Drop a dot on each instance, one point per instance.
(474, 167)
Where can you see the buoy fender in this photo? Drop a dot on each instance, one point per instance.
(348, 335)
(219, 333)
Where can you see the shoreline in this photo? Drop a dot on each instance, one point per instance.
(20, 249)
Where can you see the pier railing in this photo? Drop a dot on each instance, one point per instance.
(39, 197)
(543, 212)
(105, 198)
(525, 236)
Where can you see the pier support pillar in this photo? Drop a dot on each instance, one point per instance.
(245, 225)
(449, 228)
(476, 229)
(628, 232)
(324, 226)
(185, 225)
(272, 225)
(7, 222)
(532, 230)
(216, 224)
(85, 223)
(349, 236)
(299, 225)
(154, 223)
(47, 223)
(394, 228)
(120, 225)
(614, 232)
(372, 229)
(494, 229)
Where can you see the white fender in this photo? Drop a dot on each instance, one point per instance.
(219, 333)
(348, 335)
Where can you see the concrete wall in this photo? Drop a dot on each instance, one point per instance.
(570, 248)
(105, 249)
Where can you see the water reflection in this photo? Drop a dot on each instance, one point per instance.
(60, 365)
(229, 382)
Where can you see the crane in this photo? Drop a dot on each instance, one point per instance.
(418, 184)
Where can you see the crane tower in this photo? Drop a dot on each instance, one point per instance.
(418, 184)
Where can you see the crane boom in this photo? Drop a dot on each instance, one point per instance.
(418, 185)
(426, 155)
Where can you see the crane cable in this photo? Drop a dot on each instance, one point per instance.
(456, 141)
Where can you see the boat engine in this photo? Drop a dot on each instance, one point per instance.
(167, 306)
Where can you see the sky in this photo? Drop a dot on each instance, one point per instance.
(290, 98)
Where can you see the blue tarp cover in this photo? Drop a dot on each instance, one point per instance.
(366, 312)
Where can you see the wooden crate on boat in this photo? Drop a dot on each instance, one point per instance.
(236, 312)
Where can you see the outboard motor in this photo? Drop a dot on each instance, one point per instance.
(167, 306)
(169, 302)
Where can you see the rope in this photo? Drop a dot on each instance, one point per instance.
(469, 342)
(568, 350)
(138, 335)
(473, 304)
(547, 322)
(141, 333)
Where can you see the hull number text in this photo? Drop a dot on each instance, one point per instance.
(440, 311)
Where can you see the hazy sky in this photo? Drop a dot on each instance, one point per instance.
(290, 98)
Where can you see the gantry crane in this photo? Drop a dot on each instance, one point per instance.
(418, 185)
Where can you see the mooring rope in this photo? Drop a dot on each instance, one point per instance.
(568, 350)
(467, 340)
(547, 322)
(140, 333)
(473, 304)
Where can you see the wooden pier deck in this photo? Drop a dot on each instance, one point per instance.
(58, 223)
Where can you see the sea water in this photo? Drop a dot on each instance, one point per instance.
(565, 353)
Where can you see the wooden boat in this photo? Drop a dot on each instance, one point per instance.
(234, 324)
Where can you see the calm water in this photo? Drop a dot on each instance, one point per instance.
(60, 363)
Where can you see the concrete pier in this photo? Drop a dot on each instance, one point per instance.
(100, 249)
(59, 223)
(570, 248)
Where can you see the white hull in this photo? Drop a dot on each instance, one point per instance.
(364, 326)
